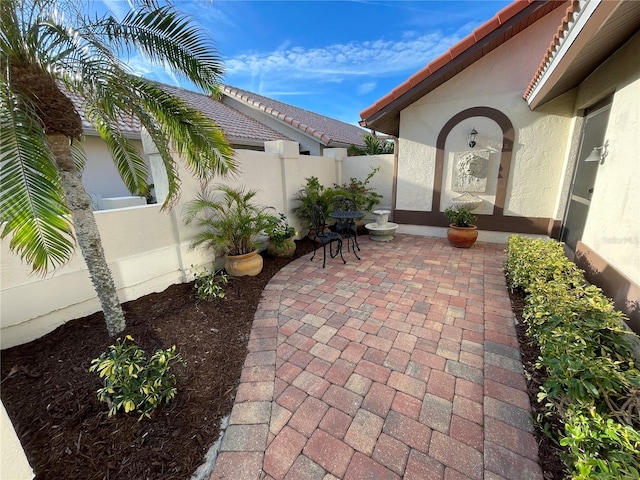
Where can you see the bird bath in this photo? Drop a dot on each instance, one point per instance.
(381, 230)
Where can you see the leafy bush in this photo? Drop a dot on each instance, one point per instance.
(133, 383)
(593, 382)
(460, 216)
(210, 285)
(311, 194)
(364, 196)
(228, 218)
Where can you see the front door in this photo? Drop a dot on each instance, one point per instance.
(593, 135)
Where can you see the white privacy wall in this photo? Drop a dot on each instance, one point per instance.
(496, 81)
(147, 249)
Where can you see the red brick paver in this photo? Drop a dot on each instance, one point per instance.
(402, 365)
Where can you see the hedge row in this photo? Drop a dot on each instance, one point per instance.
(593, 381)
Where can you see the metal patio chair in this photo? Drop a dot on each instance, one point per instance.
(324, 236)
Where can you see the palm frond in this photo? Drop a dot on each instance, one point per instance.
(191, 133)
(31, 199)
(167, 37)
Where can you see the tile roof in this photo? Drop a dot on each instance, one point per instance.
(555, 43)
(237, 126)
(590, 32)
(328, 131)
(507, 23)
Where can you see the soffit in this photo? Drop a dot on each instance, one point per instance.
(609, 27)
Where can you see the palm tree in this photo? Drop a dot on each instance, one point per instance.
(373, 146)
(51, 50)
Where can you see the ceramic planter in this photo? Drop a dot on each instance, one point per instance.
(249, 264)
(284, 249)
(462, 237)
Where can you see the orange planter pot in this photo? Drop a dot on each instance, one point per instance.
(462, 237)
(249, 264)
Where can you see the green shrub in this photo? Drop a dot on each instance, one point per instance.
(592, 380)
(210, 285)
(133, 383)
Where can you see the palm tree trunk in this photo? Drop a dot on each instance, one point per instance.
(87, 233)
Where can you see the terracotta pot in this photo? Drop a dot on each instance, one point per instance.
(249, 264)
(285, 249)
(462, 237)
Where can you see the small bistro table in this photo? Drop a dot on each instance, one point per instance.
(348, 220)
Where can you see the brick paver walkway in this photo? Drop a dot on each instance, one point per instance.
(402, 365)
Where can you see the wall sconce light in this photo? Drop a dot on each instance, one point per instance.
(472, 137)
(598, 154)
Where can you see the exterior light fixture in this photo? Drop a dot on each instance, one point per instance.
(472, 137)
(598, 154)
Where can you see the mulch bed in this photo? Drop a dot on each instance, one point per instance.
(65, 431)
(549, 451)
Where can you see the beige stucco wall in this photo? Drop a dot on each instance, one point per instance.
(13, 461)
(613, 223)
(360, 166)
(100, 175)
(496, 81)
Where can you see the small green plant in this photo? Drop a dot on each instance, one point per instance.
(210, 285)
(364, 196)
(460, 216)
(279, 230)
(133, 383)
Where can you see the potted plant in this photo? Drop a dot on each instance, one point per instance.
(281, 243)
(229, 221)
(462, 232)
(311, 194)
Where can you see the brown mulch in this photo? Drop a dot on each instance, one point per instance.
(66, 433)
(549, 451)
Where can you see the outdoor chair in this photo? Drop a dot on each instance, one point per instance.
(346, 224)
(324, 236)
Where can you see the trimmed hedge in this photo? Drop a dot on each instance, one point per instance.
(593, 381)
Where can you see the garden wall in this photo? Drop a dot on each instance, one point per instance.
(148, 249)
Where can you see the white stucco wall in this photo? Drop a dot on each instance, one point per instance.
(147, 249)
(100, 175)
(613, 223)
(360, 166)
(497, 81)
(13, 461)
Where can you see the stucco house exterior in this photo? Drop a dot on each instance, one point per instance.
(553, 91)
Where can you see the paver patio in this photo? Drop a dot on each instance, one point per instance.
(402, 365)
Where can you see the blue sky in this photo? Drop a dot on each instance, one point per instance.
(332, 57)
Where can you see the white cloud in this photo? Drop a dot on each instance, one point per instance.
(377, 58)
(366, 88)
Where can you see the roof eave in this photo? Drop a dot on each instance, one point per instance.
(586, 22)
(384, 116)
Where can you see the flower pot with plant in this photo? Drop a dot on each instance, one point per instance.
(229, 221)
(462, 232)
(281, 243)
